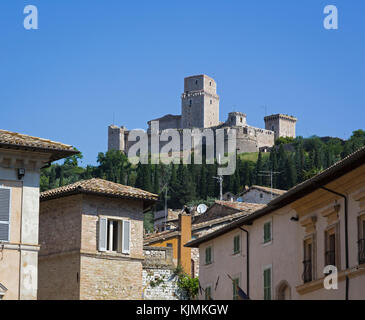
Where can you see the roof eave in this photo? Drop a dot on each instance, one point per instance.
(56, 154)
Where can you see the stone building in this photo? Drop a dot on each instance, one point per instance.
(200, 110)
(283, 125)
(91, 236)
(21, 158)
(288, 248)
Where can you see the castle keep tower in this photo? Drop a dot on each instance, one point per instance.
(283, 125)
(199, 103)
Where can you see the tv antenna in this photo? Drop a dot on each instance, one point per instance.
(269, 174)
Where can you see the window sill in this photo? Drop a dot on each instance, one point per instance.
(265, 244)
(318, 283)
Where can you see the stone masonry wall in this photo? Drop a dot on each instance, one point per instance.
(158, 278)
(108, 278)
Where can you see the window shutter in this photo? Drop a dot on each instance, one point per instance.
(102, 234)
(126, 236)
(5, 214)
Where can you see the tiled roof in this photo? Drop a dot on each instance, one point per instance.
(265, 189)
(241, 206)
(101, 187)
(164, 235)
(210, 223)
(14, 140)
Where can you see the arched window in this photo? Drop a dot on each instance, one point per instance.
(283, 291)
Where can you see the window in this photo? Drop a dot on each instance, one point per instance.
(211, 101)
(267, 232)
(114, 235)
(208, 293)
(235, 285)
(261, 195)
(267, 283)
(236, 244)
(196, 82)
(208, 255)
(361, 243)
(210, 83)
(5, 196)
(330, 254)
(307, 263)
(190, 102)
(169, 245)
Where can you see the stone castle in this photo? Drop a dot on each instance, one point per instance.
(200, 109)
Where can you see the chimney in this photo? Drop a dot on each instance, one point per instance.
(184, 256)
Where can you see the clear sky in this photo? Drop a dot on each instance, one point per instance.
(91, 59)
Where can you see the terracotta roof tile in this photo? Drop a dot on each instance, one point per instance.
(14, 140)
(99, 186)
(242, 206)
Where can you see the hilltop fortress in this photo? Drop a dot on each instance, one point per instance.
(200, 109)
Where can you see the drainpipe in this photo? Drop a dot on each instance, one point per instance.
(346, 235)
(248, 262)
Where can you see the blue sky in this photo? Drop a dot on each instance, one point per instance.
(91, 59)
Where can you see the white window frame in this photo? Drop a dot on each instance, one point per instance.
(9, 222)
(267, 267)
(120, 247)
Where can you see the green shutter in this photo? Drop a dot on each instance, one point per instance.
(236, 244)
(267, 284)
(235, 284)
(208, 255)
(267, 232)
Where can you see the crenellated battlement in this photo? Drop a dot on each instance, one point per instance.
(200, 109)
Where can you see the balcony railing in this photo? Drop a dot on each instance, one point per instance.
(361, 251)
(307, 274)
(331, 258)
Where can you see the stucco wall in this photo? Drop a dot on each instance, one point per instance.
(285, 253)
(18, 266)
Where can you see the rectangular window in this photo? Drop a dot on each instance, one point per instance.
(208, 255)
(235, 284)
(267, 232)
(330, 254)
(114, 235)
(307, 263)
(208, 293)
(236, 244)
(5, 198)
(361, 243)
(267, 284)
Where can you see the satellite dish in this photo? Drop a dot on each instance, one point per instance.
(201, 208)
